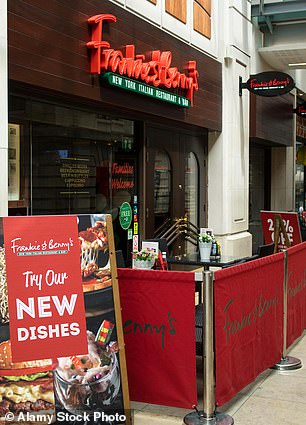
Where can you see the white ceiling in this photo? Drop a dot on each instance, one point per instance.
(278, 57)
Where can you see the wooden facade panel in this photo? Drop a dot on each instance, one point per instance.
(153, 1)
(271, 119)
(201, 21)
(72, 12)
(41, 19)
(49, 67)
(58, 54)
(48, 50)
(177, 8)
(206, 4)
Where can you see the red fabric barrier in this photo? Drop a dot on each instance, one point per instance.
(248, 322)
(158, 316)
(296, 302)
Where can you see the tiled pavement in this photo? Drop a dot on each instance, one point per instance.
(275, 398)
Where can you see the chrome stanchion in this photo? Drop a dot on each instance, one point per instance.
(208, 416)
(286, 362)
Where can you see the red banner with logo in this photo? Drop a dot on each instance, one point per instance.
(45, 296)
(296, 301)
(291, 224)
(158, 313)
(248, 322)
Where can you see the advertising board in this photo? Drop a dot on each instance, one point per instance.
(61, 321)
(291, 226)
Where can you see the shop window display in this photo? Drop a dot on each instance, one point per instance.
(76, 162)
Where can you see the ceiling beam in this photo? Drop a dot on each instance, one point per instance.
(280, 7)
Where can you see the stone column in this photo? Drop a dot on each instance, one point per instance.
(228, 157)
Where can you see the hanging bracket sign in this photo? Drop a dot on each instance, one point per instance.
(268, 84)
(300, 110)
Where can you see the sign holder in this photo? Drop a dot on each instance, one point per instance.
(117, 308)
(286, 362)
(209, 415)
(241, 86)
(279, 227)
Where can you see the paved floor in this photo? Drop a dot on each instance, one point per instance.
(275, 398)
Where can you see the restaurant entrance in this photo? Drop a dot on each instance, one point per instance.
(175, 164)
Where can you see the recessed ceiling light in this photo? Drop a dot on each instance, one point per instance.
(297, 64)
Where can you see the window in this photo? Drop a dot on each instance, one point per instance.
(14, 162)
(85, 165)
(202, 17)
(72, 161)
(191, 194)
(162, 187)
(191, 188)
(177, 8)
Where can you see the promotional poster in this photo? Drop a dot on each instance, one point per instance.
(291, 227)
(59, 347)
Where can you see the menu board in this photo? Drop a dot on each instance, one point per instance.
(87, 383)
(75, 172)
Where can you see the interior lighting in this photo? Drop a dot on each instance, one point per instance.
(297, 64)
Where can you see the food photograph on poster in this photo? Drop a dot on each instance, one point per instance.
(89, 386)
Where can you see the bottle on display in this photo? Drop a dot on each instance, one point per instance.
(218, 250)
(214, 249)
(161, 261)
(164, 259)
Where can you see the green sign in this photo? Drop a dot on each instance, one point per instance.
(145, 89)
(125, 215)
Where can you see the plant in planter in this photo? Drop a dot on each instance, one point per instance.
(144, 259)
(205, 243)
(205, 237)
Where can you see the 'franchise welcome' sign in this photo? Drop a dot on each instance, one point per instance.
(46, 302)
(156, 72)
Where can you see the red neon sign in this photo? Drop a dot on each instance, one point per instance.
(156, 72)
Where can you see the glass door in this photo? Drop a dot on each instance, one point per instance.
(162, 187)
(175, 164)
(191, 197)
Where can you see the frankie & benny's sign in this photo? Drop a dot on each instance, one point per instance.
(45, 295)
(268, 84)
(156, 72)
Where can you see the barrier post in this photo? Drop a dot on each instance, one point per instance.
(208, 416)
(286, 362)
